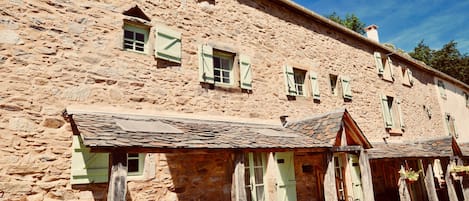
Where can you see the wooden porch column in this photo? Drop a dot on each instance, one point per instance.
(450, 184)
(404, 194)
(330, 190)
(238, 188)
(430, 184)
(365, 170)
(118, 177)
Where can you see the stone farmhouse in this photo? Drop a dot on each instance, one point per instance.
(241, 100)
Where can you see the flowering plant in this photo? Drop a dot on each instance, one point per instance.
(410, 175)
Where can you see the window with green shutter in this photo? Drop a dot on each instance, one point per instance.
(168, 44)
(346, 88)
(379, 63)
(314, 86)
(442, 89)
(392, 114)
(218, 68)
(135, 38)
(407, 77)
(450, 123)
(88, 167)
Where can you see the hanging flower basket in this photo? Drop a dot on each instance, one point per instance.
(459, 170)
(410, 175)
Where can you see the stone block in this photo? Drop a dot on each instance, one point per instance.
(22, 124)
(79, 93)
(16, 187)
(52, 123)
(10, 37)
(35, 197)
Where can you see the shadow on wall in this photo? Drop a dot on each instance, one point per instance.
(96, 192)
(190, 176)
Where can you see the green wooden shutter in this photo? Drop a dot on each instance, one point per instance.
(289, 80)
(346, 88)
(442, 88)
(453, 123)
(401, 117)
(245, 72)
(286, 183)
(411, 78)
(389, 67)
(379, 63)
(168, 44)
(386, 112)
(206, 64)
(314, 85)
(87, 167)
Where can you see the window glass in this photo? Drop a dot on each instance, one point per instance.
(222, 67)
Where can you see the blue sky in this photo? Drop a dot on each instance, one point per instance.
(404, 23)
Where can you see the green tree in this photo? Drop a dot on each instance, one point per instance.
(422, 52)
(350, 21)
(448, 59)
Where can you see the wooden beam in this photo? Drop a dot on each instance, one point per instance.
(365, 171)
(430, 184)
(203, 150)
(330, 190)
(352, 148)
(117, 188)
(238, 188)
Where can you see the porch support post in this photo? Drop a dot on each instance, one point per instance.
(330, 189)
(117, 188)
(450, 184)
(238, 188)
(404, 194)
(430, 184)
(365, 171)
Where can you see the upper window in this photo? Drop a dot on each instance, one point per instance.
(450, 123)
(299, 82)
(333, 83)
(219, 67)
(442, 89)
(299, 77)
(384, 66)
(135, 163)
(135, 38)
(407, 77)
(392, 114)
(223, 67)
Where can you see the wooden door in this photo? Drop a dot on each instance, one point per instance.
(286, 183)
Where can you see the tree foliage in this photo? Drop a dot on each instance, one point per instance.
(350, 21)
(448, 59)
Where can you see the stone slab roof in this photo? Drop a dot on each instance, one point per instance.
(464, 148)
(434, 148)
(117, 130)
(326, 127)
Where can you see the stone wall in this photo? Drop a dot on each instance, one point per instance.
(59, 53)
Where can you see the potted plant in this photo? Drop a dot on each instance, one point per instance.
(410, 175)
(459, 170)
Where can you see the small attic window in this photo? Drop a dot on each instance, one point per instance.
(136, 12)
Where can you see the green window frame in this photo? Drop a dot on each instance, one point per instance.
(135, 38)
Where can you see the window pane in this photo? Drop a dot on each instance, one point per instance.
(257, 159)
(139, 49)
(225, 64)
(128, 46)
(226, 80)
(260, 193)
(132, 165)
(128, 34)
(216, 72)
(217, 79)
(216, 62)
(226, 74)
(139, 37)
(259, 175)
